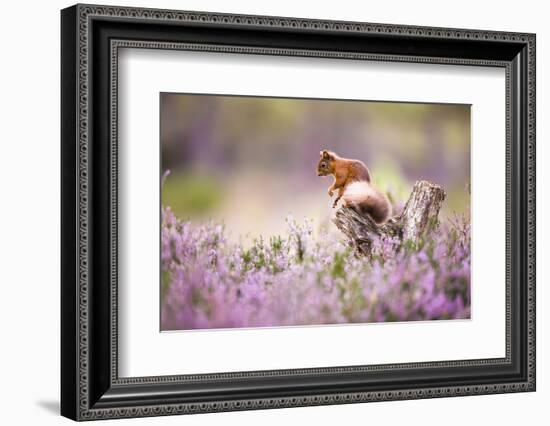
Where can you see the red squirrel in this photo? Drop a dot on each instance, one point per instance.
(353, 182)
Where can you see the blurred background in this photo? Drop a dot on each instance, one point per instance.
(249, 162)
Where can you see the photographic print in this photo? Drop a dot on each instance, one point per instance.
(302, 212)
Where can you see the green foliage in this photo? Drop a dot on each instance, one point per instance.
(191, 194)
(338, 266)
(388, 176)
(276, 244)
(165, 279)
(261, 255)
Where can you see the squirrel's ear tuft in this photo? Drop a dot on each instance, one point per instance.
(325, 154)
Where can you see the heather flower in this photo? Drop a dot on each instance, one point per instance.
(299, 279)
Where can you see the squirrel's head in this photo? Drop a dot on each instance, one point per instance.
(326, 163)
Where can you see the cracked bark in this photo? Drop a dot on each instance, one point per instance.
(421, 210)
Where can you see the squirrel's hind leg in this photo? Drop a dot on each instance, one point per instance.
(338, 196)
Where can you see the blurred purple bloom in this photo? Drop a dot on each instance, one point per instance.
(299, 280)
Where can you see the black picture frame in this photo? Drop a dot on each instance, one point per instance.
(90, 386)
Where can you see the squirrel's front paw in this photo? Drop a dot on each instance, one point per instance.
(334, 204)
(330, 193)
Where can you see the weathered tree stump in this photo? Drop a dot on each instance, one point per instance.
(420, 211)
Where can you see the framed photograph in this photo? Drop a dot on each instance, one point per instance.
(263, 212)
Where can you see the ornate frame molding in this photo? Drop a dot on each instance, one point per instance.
(82, 17)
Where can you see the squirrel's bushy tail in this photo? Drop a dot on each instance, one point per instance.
(366, 199)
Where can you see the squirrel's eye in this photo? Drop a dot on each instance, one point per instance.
(323, 164)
